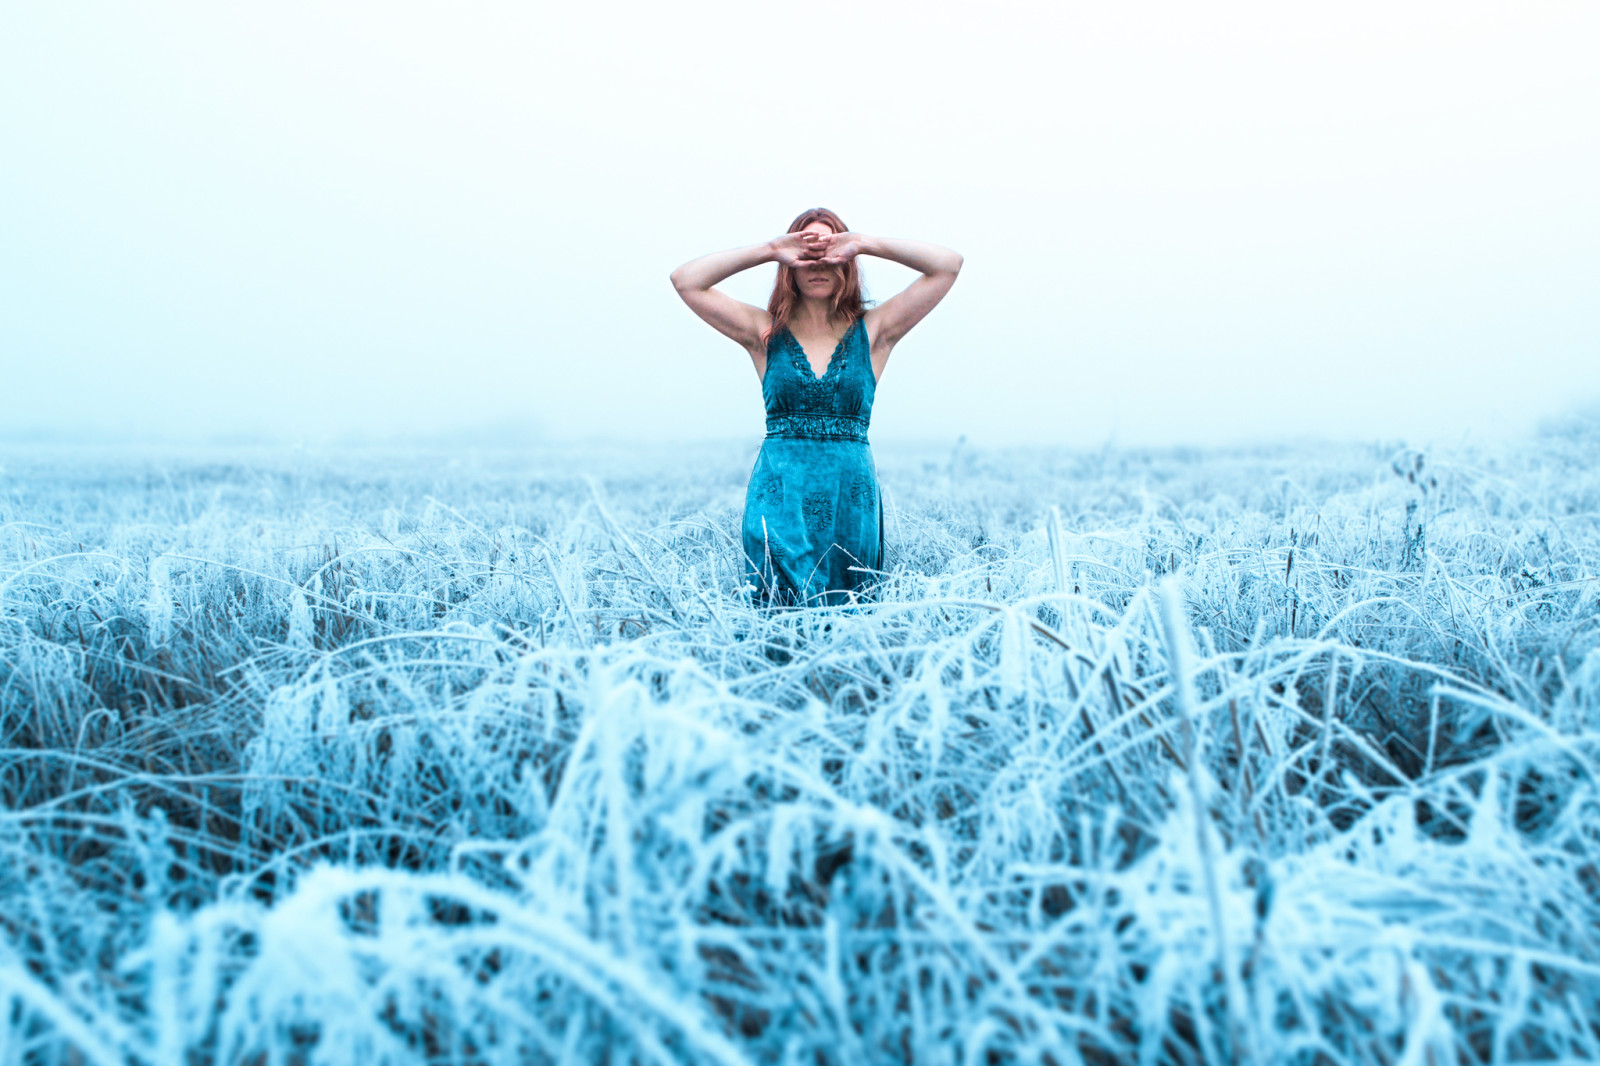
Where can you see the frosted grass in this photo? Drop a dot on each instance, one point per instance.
(1274, 756)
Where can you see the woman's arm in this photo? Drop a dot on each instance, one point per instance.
(893, 319)
(736, 319)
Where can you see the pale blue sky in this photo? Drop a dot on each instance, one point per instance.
(1181, 222)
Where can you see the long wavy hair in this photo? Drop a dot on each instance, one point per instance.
(848, 301)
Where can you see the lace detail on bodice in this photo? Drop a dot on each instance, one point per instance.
(835, 406)
(802, 362)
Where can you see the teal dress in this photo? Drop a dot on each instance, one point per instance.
(813, 514)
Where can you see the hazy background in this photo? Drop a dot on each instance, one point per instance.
(1181, 222)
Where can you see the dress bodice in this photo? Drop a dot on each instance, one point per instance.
(835, 406)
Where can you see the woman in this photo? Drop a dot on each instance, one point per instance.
(813, 517)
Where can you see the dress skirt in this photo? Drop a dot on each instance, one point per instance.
(813, 523)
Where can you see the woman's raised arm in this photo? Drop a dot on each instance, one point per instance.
(742, 322)
(893, 318)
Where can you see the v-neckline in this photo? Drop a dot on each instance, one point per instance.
(833, 357)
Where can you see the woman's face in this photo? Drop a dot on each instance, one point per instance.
(817, 281)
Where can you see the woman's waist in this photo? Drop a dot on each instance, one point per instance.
(815, 426)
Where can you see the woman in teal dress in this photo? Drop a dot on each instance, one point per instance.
(813, 514)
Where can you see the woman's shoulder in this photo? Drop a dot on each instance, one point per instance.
(864, 326)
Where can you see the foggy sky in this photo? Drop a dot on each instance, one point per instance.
(1181, 223)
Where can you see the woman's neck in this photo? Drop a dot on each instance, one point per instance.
(813, 316)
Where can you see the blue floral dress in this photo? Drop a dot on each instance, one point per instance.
(813, 514)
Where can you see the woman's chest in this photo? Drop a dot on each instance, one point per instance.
(791, 383)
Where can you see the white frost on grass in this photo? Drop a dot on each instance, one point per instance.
(431, 762)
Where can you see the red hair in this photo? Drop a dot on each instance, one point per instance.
(847, 299)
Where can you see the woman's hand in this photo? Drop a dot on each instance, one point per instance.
(839, 248)
(792, 249)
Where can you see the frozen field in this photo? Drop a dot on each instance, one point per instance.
(1281, 756)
